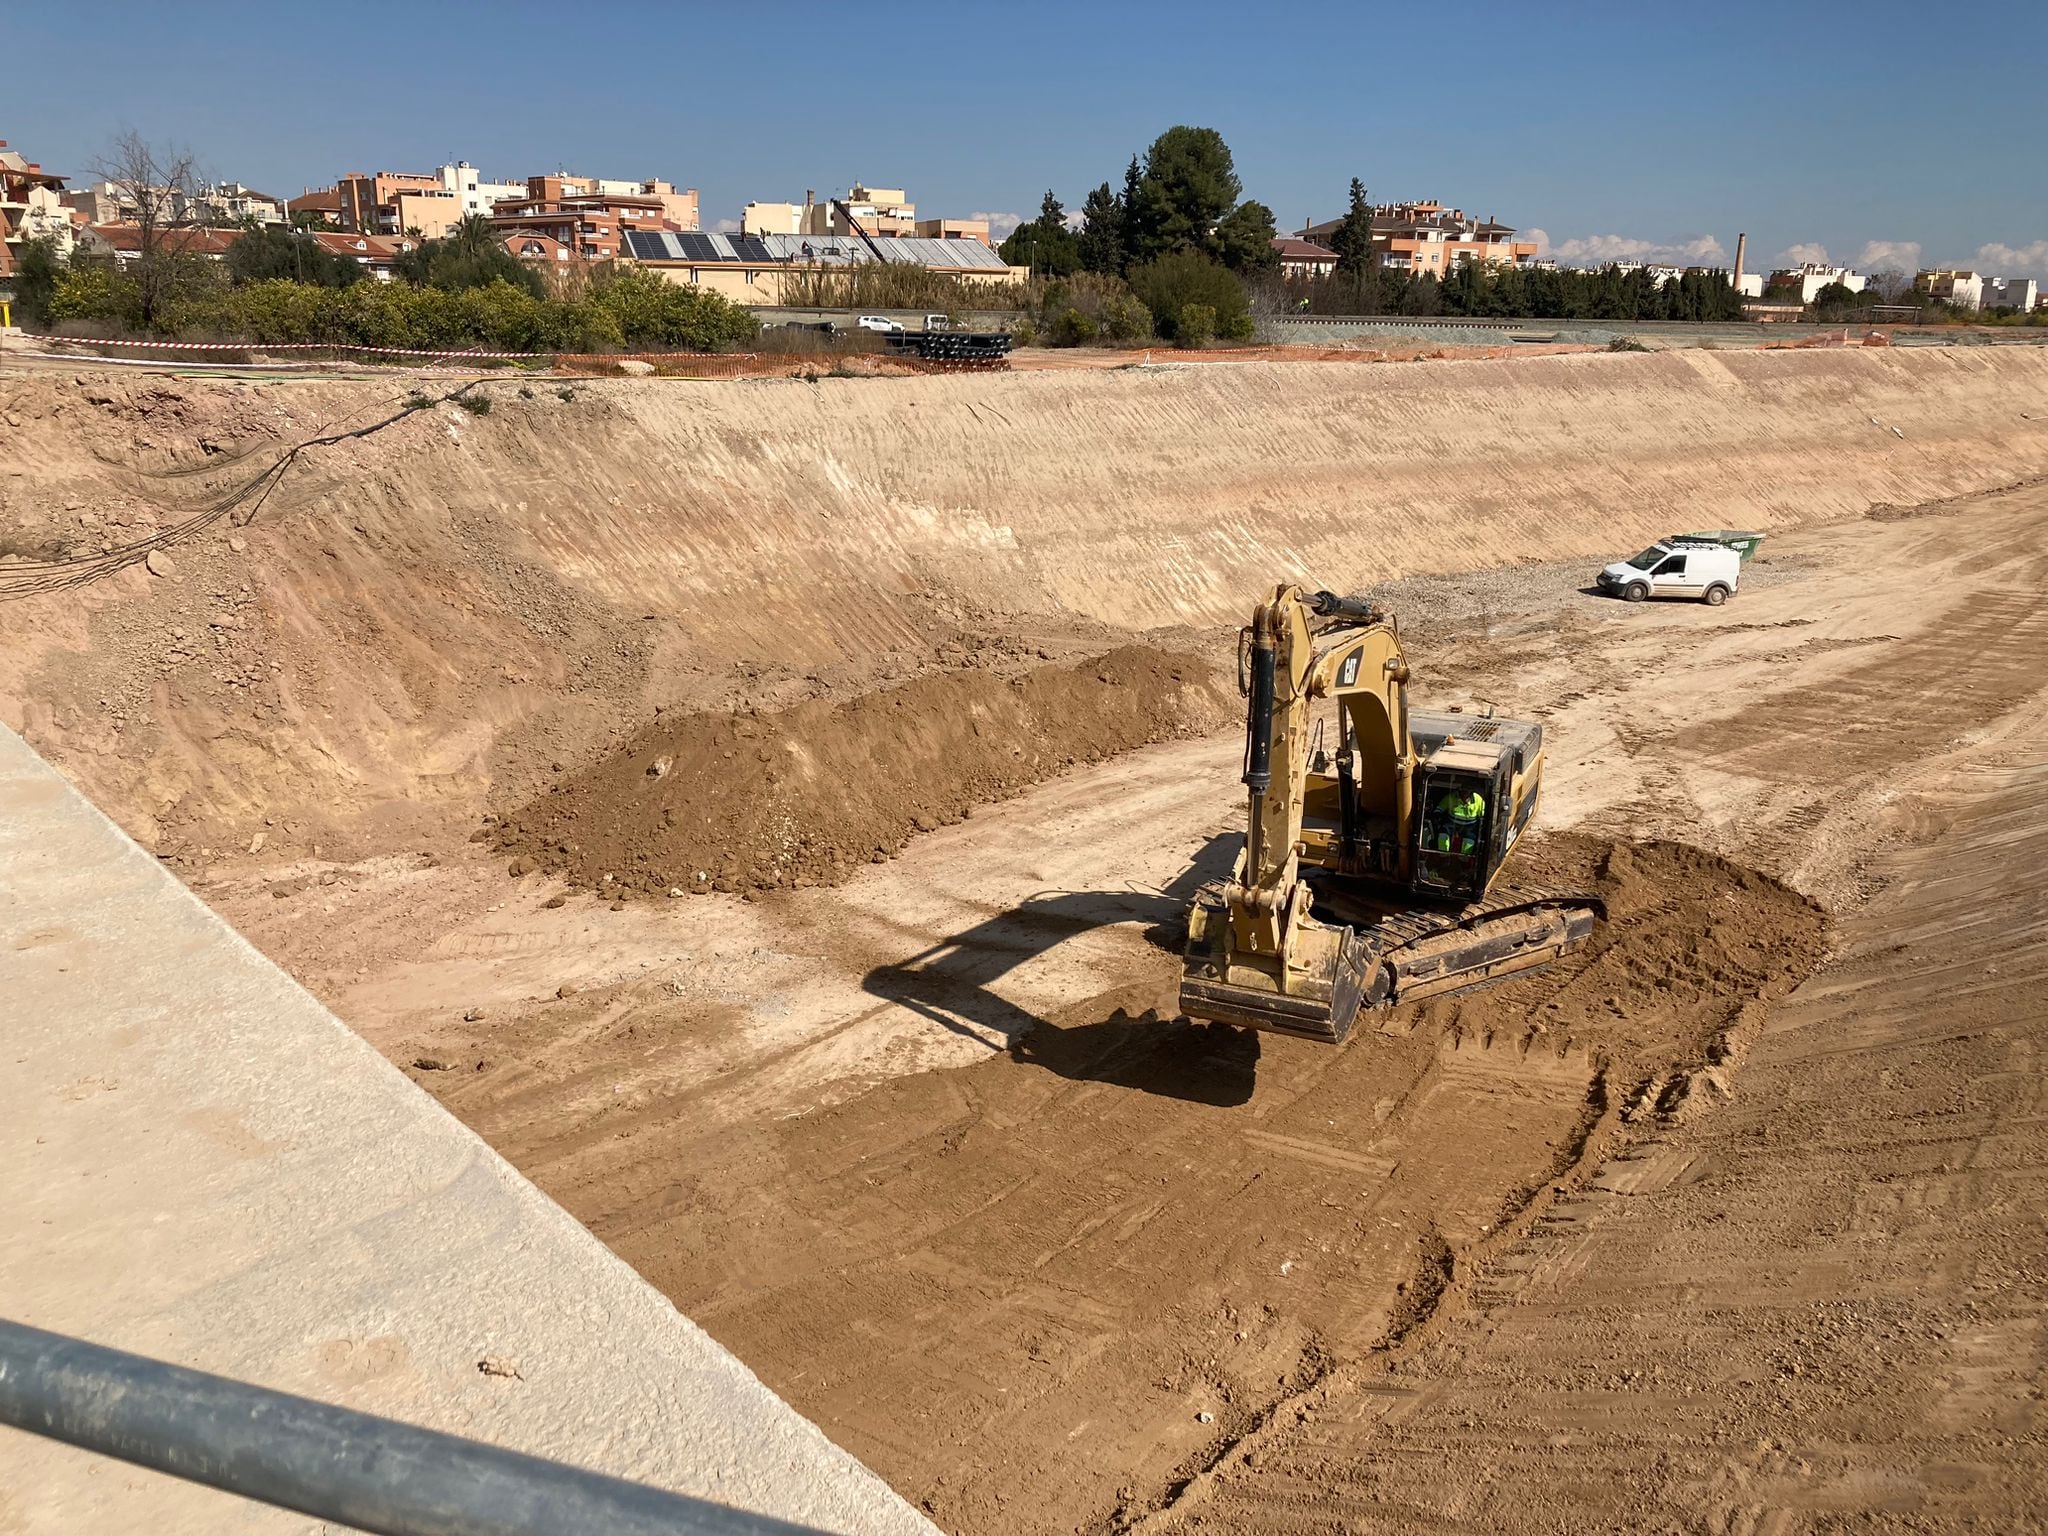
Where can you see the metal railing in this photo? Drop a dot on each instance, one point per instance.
(334, 1464)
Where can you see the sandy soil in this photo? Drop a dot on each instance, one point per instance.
(1016, 1287)
(1729, 1224)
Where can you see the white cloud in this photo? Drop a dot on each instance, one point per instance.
(1542, 239)
(1075, 220)
(1997, 260)
(726, 227)
(1799, 255)
(1000, 225)
(1890, 255)
(1598, 250)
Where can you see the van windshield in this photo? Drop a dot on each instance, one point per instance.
(1649, 557)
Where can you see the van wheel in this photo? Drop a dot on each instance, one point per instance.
(1716, 596)
(1635, 592)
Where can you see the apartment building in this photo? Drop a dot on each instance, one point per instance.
(576, 212)
(230, 202)
(477, 196)
(1303, 258)
(32, 207)
(1952, 285)
(954, 229)
(1428, 237)
(677, 209)
(882, 212)
(369, 204)
(2020, 293)
(1808, 278)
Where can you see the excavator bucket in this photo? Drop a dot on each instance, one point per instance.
(1333, 972)
(1314, 990)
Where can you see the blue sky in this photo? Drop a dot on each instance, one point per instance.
(1879, 134)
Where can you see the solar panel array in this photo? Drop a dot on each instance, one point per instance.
(800, 250)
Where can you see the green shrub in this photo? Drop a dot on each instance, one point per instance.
(650, 311)
(636, 308)
(1241, 327)
(35, 280)
(476, 405)
(1173, 284)
(96, 293)
(1195, 326)
(1072, 328)
(1124, 318)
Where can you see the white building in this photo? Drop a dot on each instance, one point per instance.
(229, 202)
(477, 195)
(1810, 277)
(1750, 285)
(2020, 293)
(1952, 285)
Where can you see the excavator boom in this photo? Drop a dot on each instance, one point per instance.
(1423, 812)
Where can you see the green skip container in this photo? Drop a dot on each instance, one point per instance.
(1744, 544)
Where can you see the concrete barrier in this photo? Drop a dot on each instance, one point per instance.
(200, 1163)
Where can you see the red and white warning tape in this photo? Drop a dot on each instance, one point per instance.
(280, 346)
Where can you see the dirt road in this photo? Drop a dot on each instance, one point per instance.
(930, 1152)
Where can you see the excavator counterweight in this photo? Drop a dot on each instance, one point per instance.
(1394, 824)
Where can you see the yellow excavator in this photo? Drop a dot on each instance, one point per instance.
(1393, 822)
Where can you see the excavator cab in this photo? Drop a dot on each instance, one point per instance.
(1455, 855)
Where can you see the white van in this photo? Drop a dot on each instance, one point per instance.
(1677, 568)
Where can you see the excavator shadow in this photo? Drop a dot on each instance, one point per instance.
(951, 983)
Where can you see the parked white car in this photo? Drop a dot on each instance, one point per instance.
(1712, 573)
(878, 323)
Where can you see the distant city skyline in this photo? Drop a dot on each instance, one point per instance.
(1621, 132)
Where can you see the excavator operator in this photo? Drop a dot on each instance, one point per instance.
(1457, 821)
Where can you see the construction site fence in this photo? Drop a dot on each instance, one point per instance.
(309, 355)
(334, 1464)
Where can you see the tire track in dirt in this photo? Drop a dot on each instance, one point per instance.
(1054, 1287)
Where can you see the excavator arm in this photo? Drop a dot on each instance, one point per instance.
(1255, 954)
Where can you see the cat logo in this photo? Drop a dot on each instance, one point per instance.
(1348, 673)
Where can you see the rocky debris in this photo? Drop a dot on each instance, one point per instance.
(160, 564)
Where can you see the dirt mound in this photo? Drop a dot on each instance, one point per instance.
(802, 796)
(1062, 1279)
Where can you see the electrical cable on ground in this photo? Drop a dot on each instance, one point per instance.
(34, 579)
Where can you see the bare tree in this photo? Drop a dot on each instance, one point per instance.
(1891, 286)
(161, 185)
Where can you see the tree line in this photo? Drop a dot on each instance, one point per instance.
(277, 285)
(1484, 290)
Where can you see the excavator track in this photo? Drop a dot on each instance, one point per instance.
(1392, 955)
(1424, 954)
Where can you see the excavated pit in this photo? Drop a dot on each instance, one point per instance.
(1046, 1289)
